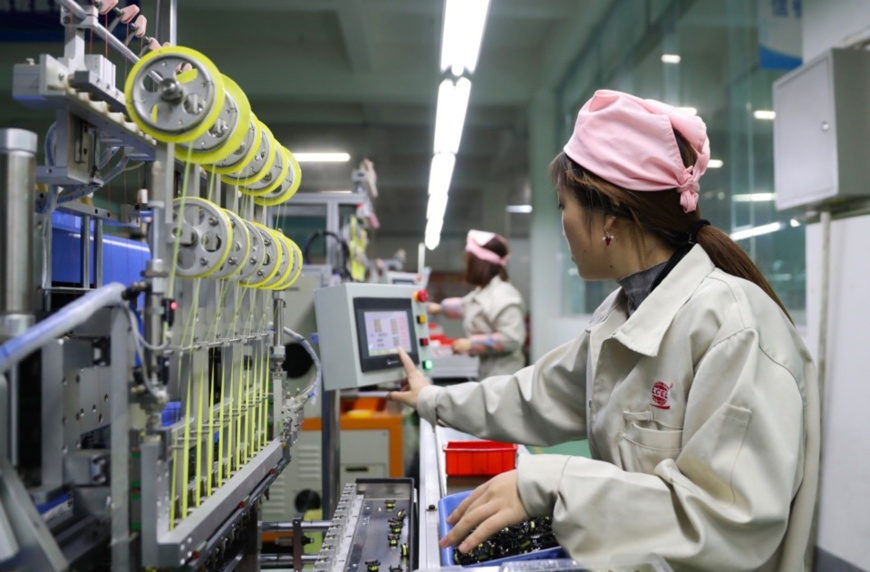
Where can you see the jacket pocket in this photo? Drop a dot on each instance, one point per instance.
(645, 442)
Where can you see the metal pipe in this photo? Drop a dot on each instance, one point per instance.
(286, 559)
(120, 442)
(17, 189)
(331, 419)
(166, 21)
(73, 314)
(305, 525)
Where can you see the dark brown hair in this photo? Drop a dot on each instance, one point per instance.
(658, 212)
(480, 272)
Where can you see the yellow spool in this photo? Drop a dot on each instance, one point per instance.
(184, 202)
(296, 268)
(281, 153)
(286, 260)
(291, 190)
(250, 153)
(265, 135)
(224, 150)
(198, 129)
(255, 257)
(239, 226)
(270, 274)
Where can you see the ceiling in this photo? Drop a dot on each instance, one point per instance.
(361, 76)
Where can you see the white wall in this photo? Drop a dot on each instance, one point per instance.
(844, 518)
(830, 23)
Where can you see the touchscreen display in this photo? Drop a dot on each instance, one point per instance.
(386, 332)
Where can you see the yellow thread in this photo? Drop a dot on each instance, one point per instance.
(197, 482)
(185, 467)
(172, 486)
(209, 463)
(220, 468)
(238, 435)
(264, 427)
(247, 420)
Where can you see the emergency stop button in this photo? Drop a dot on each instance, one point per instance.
(421, 296)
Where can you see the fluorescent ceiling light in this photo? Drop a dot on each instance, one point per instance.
(671, 58)
(450, 114)
(766, 114)
(463, 32)
(689, 110)
(749, 232)
(519, 208)
(440, 173)
(432, 241)
(437, 206)
(754, 198)
(322, 157)
(715, 164)
(434, 226)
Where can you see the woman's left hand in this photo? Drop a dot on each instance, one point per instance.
(489, 508)
(462, 346)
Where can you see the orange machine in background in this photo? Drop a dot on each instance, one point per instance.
(370, 414)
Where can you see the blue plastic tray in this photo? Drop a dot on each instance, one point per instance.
(447, 504)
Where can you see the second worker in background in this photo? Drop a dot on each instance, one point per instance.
(493, 314)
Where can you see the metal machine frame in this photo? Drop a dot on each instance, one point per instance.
(98, 475)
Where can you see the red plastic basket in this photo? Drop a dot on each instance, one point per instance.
(479, 458)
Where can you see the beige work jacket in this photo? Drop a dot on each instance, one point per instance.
(497, 308)
(702, 414)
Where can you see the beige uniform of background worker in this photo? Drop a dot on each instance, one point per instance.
(697, 395)
(493, 314)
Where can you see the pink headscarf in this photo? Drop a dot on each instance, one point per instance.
(630, 142)
(475, 242)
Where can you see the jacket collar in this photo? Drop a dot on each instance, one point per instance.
(489, 285)
(644, 330)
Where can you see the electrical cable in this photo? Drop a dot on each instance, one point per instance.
(315, 388)
(345, 251)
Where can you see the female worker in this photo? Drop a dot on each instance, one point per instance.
(492, 314)
(699, 400)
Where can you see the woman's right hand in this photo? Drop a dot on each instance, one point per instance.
(412, 386)
(433, 308)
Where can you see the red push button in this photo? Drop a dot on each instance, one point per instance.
(421, 296)
(424, 342)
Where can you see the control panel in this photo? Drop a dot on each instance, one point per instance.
(361, 328)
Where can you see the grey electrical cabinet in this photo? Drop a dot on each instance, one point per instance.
(821, 134)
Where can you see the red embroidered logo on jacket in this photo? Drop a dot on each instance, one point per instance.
(660, 392)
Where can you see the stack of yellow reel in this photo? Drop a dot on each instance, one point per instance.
(177, 95)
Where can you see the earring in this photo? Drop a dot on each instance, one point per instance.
(607, 238)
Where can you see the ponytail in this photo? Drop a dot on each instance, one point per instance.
(730, 257)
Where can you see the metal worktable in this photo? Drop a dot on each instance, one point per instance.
(434, 485)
